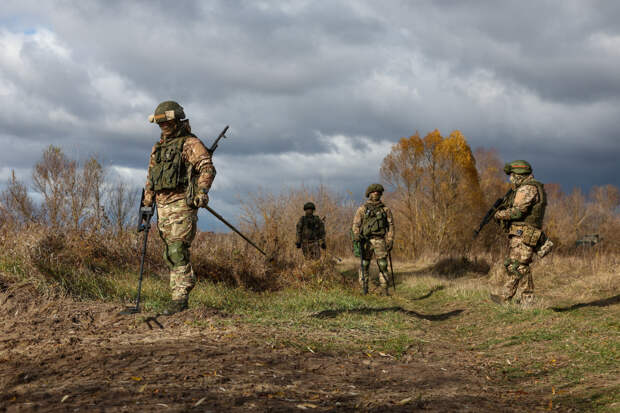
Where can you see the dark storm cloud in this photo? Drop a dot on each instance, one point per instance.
(307, 86)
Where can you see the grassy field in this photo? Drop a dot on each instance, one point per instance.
(564, 350)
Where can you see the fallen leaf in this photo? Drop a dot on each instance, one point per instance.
(65, 397)
(134, 378)
(162, 405)
(509, 363)
(142, 388)
(311, 351)
(199, 402)
(404, 401)
(305, 406)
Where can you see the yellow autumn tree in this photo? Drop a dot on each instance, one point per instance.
(435, 192)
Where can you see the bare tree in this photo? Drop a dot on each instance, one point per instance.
(15, 204)
(119, 202)
(51, 176)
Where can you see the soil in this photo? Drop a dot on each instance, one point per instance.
(61, 355)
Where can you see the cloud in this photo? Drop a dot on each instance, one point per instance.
(313, 92)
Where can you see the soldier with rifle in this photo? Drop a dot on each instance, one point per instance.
(373, 232)
(180, 174)
(310, 233)
(521, 213)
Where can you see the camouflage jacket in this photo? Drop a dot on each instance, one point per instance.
(197, 161)
(526, 197)
(360, 217)
(310, 228)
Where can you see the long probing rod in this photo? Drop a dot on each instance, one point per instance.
(218, 216)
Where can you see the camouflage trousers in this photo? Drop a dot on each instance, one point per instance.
(177, 228)
(378, 248)
(520, 282)
(311, 249)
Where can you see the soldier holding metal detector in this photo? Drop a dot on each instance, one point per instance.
(373, 234)
(179, 177)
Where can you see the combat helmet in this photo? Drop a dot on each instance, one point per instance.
(519, 167)
(374, 188)
(309, 205)
(167, 110)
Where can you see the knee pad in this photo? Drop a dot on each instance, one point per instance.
(177, 254)
(512, 266)
(383, 265)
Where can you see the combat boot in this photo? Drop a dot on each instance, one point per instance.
(175, 306)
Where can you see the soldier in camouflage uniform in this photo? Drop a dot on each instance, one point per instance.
(179, 177)
(522, 217)
(373, 228)
(310, 233)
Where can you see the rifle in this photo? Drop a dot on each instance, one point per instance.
(220, 136)
(145, 213)
(491, 212)
(364, 274)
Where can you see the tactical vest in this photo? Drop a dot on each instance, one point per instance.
(537, 213)
(374, 222)
(311, 228)
(169, 170)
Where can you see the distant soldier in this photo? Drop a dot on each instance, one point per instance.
(310, 233)
(179, 178)
(522, 216)
(373, 228)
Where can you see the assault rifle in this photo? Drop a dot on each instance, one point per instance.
(220, 136)
(145, 213)
(496, 206)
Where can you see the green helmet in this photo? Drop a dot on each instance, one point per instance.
(519, 167)
(309, 205)
(167, 110)
(374, 188)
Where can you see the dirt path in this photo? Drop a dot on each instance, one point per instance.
(68, 356)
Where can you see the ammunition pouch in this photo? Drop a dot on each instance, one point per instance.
(527, 233)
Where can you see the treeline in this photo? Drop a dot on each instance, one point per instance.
(74, 196)
(437, 187)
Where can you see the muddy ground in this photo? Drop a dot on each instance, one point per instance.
(69, 356)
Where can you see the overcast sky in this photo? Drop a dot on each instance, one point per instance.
(314, 91)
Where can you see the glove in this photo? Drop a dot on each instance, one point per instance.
(323, 245)
(390, 245)
(298, 244)
(201, 199)
(148, 201)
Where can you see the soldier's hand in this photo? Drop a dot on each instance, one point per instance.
(148, 201)
(298, 244)
(201, 199)
(323, 245)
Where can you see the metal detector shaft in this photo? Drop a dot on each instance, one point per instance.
(144, 243)
(218, 216)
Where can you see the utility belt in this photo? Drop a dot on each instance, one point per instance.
(529, 234)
